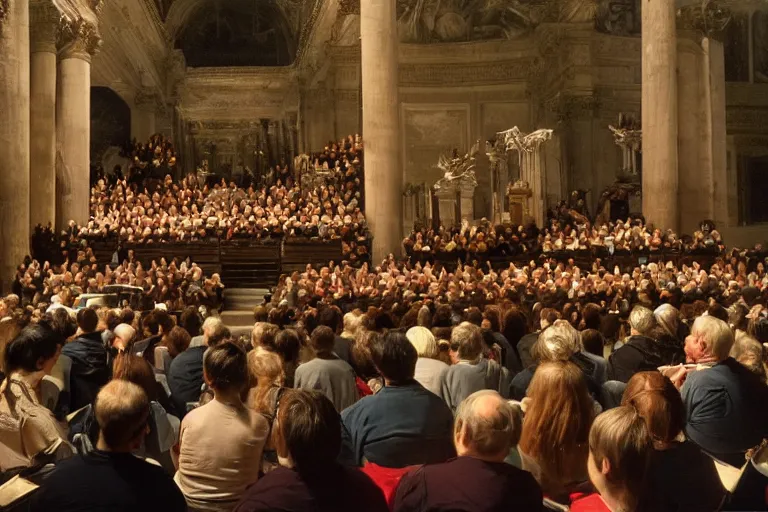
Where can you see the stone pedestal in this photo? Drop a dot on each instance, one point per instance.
(73, 122)
(519, 197)
(381, 125)
(44, 21)
(14, 138)
(467, 200)
(659, 114)
(446, 203)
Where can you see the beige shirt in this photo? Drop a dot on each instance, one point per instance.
(221, 449)
(27, 429)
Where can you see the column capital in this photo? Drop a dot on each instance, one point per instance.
(707, 18)
(78, 38)
(44, 19)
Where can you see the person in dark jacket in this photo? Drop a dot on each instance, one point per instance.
(90, 365)
(486, 428)
(546, 318)
(404, 423)
(308, 438)
(648, 347)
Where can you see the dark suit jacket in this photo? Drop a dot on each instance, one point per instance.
(90, 369)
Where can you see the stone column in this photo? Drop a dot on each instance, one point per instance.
(79, 41)
(14, 137)
(381, 125)
(659, 113)
(44, 22)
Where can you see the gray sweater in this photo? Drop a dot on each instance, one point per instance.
(333, 377)
(464, 378)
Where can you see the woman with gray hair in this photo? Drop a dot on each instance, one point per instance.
(430, 371)
(651, 343)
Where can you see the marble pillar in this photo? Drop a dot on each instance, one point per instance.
(381, 125)
(659, 113)
(14, 138)
(44, 21)
(79, 42)
(714, 71)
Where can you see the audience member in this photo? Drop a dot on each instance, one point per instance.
(472, 371)
(221, 443)
(620, 447)
(554, 443)
(486, 428)
(90, 364)
(680, 476)
(327, 373)
(430, 371)
(111, 477)
(307, 432)
(401, 425)
(29, 433)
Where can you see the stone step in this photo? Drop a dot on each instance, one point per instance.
(237, 318)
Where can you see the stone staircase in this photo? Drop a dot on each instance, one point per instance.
(239, 304)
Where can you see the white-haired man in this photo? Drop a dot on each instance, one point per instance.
(725, 403)
(485, 430)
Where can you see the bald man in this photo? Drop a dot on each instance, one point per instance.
(111, 477)
(487, 427)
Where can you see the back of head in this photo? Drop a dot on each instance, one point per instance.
(668, 318)
(322, 340)
(264, 335)
(592, 341)
(330, 316)
(487, 426)
(467, 341)
(177, 340)
(307, 430)
(548, 316)
(394, 357)
(135, 369)
(716, 334)
(558, 418)
(474, 316)
(191, 321)
(641, 319)
(122, 411)
(515, 325)
(750, 353)
(30, 348)
(226, 367)
(558, 342)
(288, 345)
(590, 314)
(620, 437)
(737, 316)
(352, 322)
(62, 322)
(87, 320)
(125, 332)
(260, 314)
(214, 329)
(265, 368)
(656, 399)
(423, 341)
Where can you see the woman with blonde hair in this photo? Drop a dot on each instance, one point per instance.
(429, 369)
(266, 374)
(559, 413)
(620, 447)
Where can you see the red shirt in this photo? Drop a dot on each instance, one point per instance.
(588, 503)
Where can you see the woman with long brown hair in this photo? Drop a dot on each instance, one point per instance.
(554, 444)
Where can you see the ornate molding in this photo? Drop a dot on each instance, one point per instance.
(78, 38)
(452, 75)
(567, 107)
(708, 18)
(44, 20)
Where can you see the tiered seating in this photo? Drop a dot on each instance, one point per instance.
(204, 253)
(250, 264)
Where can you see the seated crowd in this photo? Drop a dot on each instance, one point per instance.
(562, 233)
(176, 284)
(439, 406)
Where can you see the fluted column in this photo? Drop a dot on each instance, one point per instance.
(43, 25)
(14, 137)
(79, 41)
(381, 125)
(659, 118)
